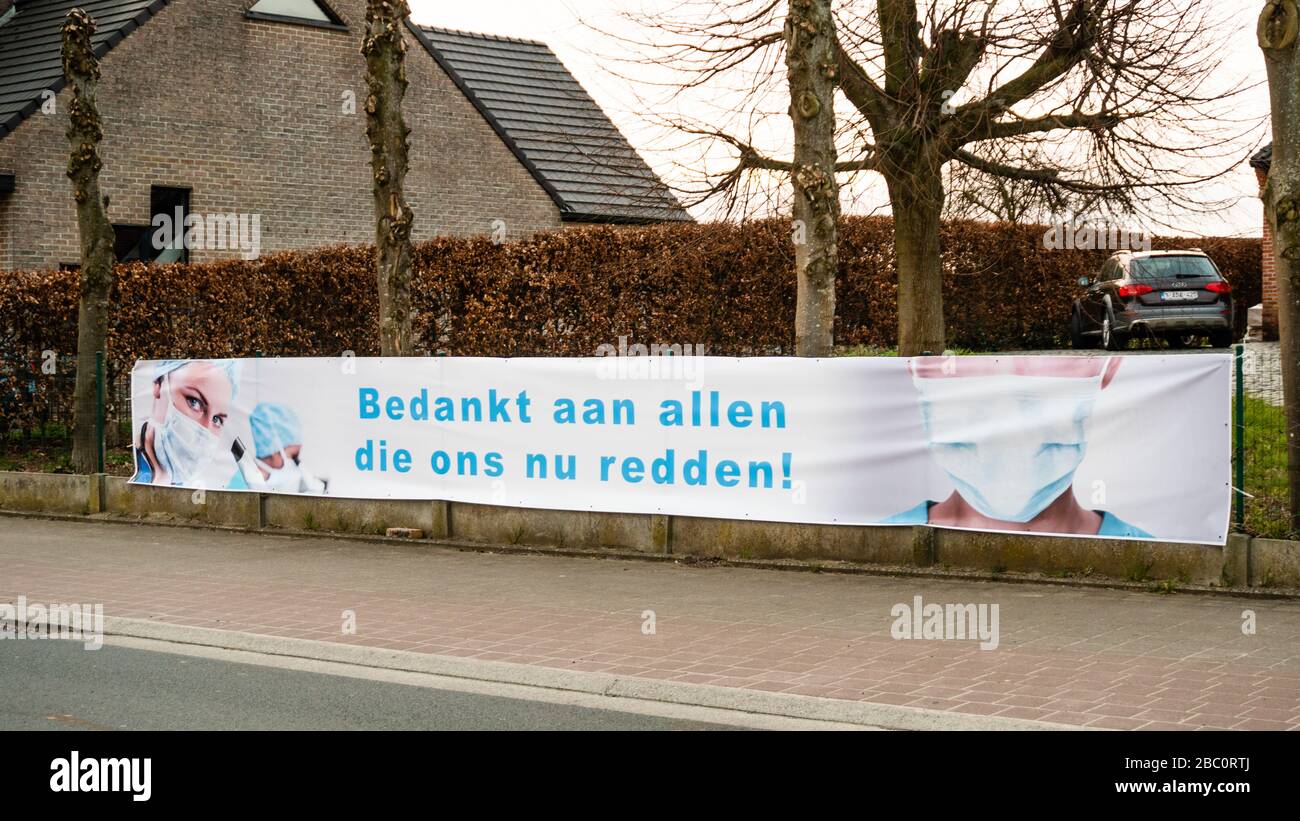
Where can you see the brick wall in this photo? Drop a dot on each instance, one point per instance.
(1269, 272)
(250, 115)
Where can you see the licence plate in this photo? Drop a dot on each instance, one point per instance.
(1179, 296)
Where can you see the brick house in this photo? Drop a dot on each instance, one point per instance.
(239, 107)
(1261, 161)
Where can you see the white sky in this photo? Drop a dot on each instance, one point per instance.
(586, 53)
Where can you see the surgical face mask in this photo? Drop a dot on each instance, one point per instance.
(288, 477)
(1010, 443)
(184, 446)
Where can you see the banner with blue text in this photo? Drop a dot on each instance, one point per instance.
(1099, 446)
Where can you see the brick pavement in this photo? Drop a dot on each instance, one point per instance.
(1100, 658)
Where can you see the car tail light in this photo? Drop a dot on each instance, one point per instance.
(1219, 287)
(1135, 290)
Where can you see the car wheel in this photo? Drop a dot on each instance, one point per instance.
(1221, 339)
(1077, 340)
(1111, 339)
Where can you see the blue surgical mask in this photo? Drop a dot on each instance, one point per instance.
(183, 445)
(1009, 443)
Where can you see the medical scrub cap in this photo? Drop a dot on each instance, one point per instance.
(230, 366)
(275, 427)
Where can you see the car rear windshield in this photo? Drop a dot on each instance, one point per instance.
(1172, 266)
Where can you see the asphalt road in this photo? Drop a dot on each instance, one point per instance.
(53, 685)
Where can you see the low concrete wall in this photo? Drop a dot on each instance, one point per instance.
(154, 502)
(52, 492)
(554, 528)
(1242, 562)
(1274, 562)
(345, 516)
(1130, 560)
(729, 538)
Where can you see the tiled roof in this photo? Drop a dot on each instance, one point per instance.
(31, 61)
(555, 128)
(1262, 158)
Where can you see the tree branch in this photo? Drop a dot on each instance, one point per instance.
(860, 89)
(752, 159)
(950, 61)
(900, 36)
(1043, 175)
(1093, 121)
(1066, 48)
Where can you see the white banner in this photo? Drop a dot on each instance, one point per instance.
(1122, 446)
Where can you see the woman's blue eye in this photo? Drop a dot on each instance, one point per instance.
(194, 403)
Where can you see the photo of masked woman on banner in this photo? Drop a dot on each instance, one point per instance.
(1010, 432)
(192, 402)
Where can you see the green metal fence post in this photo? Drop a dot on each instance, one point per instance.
(99, 411)
(1239, 446)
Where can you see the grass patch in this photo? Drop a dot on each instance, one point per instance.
(1265, 476)
(1139, 570)
(48, 449)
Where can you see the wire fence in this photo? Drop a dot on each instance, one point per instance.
(1261, 498)
(36, 411)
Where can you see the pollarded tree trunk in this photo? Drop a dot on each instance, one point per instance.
(1279, 23)
(917, 205)
(385, 53)
(81, 70)
(810, 64)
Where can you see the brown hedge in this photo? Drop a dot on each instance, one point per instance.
(727, 286)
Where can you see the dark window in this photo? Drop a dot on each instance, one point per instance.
(133, 243)
(1185, 266)
(163, 239)
(174, 204)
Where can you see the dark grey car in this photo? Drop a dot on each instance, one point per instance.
(1179, 296)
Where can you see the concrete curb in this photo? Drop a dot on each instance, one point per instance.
(788, 565)
(809, 708)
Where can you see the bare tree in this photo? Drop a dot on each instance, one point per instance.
(385, 53)
(1106, 98)
(810, 60)
(1277, 32)
(81, 70)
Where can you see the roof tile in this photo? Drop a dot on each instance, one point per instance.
(555, 128)
(32, 40)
